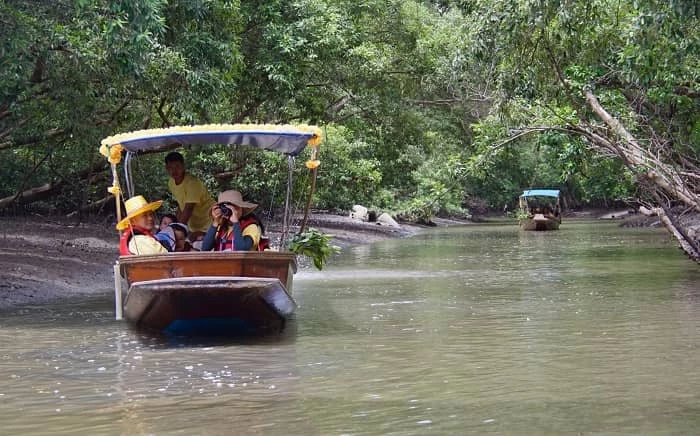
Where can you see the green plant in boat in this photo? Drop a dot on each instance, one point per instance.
(314, 244)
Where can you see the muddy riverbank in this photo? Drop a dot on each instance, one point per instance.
(42, 260)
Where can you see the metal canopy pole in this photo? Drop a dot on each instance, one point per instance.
(118, 303)
(287, 202)
(127, 174)
(314, 173)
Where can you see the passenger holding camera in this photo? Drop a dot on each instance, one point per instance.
(234, 226)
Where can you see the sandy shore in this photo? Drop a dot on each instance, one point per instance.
(42, 260)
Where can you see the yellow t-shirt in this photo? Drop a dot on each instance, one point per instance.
(192, 190)
(253, 230)
(142, 244)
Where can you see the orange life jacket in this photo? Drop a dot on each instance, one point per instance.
(129, 233)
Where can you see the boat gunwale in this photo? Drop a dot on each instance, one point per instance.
(203, 281)
(211, 255)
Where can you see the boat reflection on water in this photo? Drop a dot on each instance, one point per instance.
(220, 335)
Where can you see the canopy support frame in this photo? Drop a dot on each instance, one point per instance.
(287, 202)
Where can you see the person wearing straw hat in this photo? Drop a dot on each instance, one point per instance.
(137, 237)
(234, 226)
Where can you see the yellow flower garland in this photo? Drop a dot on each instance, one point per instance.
(112, 149)
(113, 153)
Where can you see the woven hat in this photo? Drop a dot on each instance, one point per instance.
(136, 206)
(235, 197)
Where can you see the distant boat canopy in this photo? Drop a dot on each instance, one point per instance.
(541, 193)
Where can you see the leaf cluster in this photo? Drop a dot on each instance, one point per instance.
(425, 104)
(314, 244)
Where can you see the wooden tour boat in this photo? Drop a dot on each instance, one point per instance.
(540, 209)
(209, 293)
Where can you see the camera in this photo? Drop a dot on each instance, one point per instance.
(225, 210)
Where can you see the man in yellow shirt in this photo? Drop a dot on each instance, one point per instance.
(193, 199)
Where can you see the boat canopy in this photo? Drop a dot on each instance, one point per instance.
(541, 193)
(283, 138)
(287, 139)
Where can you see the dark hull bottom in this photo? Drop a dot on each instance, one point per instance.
(230, 326)
(209, 306)
(539, 224)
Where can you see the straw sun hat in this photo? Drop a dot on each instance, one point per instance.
(235, 197)
(136, 206)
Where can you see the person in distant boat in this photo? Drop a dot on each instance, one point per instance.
(549, 211)
(234, 226)
(138, 226)
(192, 197)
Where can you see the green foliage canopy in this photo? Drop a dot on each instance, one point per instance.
(429, 107)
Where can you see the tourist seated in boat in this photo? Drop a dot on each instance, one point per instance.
(551, 211)
(234, 225)
(173, 236)
(166, 220)
(137, 237)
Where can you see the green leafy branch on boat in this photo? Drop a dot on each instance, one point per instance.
(314, 244)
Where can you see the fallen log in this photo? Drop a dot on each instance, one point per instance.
(92, 207)
(31, 195)
(41, 192)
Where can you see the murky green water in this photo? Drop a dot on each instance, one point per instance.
(484, 329)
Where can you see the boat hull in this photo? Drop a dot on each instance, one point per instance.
(208, 305)
(540, 223)
(209, 293)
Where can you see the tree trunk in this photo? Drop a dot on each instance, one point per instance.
(30, 195)
(641, 161)
(40, 192)
(656, 175)
(92, 207)
(681, 234)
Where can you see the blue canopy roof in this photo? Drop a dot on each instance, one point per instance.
(541, 193)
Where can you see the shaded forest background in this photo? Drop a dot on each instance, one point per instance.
(428, 107)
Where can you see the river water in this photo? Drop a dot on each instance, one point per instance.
(593, 329)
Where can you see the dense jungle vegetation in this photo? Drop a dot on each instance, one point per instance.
(428, 107)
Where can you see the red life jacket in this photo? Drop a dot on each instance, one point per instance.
(129, 233)
(224, 236)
